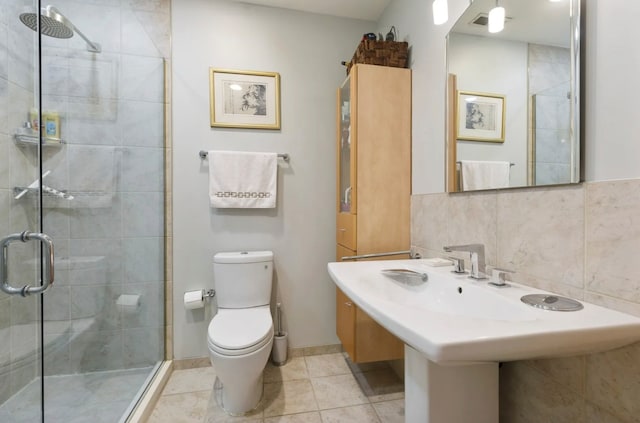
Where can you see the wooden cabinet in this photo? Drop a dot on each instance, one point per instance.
(362, 338)
(373, 187)
(345, 322)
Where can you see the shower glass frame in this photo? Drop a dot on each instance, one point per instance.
(89, 330)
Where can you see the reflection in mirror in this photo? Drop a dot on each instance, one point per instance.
(513, 96)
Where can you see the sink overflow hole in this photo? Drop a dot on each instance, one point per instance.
(459, 290)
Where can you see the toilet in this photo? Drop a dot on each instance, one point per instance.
(240, 335)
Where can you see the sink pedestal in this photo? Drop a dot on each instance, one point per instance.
(449, 394)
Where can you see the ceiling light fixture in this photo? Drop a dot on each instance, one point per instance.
(440, 12)
(496, 19)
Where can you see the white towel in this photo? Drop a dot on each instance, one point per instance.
(242, 179)
(484, 174)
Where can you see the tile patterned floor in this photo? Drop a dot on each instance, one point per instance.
(311, 389)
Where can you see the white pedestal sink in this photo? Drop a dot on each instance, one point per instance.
(457, 330)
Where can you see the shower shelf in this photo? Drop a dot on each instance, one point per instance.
(65, 194)
(46, 191)
(25, 139)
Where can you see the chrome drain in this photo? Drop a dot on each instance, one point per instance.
(552, 302)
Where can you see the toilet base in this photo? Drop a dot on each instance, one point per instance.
(234, 404)
(241, 379)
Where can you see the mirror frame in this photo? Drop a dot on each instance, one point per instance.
(576, 34)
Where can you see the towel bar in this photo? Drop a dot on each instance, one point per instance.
(366, 256)
(284, 156)
(510, 164)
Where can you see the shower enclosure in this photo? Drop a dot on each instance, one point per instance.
(82, 101)
(553, 155)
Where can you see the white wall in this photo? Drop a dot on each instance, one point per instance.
(504, 73)
(306, 50)
(612, 126)
(413, 21)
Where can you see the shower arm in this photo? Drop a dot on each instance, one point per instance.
(91, 46)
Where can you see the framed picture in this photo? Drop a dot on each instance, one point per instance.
(480, 116)
(244, 99)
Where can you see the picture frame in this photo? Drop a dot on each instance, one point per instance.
(480, 116)
(244, 99)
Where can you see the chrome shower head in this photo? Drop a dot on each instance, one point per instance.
(55, 24)
(52, 23)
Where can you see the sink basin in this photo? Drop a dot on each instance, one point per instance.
(456, 330)
(453, 319)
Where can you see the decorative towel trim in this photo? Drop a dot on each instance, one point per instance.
(239, 179)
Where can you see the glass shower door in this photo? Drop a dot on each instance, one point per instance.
(26, 255)
(103, 91)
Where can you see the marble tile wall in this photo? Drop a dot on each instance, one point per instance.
(110, 240)
(581, 241)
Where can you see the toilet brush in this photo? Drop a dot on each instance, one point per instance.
(279, 319)
(279, 353)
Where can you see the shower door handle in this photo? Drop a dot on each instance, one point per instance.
(48, 266)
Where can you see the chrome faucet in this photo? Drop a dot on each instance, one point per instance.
(478, 266)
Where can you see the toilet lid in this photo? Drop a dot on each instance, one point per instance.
(239, 329)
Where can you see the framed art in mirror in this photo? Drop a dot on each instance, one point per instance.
(480, 116)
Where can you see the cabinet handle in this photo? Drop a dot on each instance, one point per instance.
(348, 304)
(342, 230)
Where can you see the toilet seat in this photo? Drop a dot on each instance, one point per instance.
(240, 331)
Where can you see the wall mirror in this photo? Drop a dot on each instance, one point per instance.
(513, 100)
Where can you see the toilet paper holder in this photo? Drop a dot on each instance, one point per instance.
(194, 300)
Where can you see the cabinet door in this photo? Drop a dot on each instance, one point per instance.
(373, 342)
(346, 232)
(383, 96)
(346, 322)
(342, 251)
(361, 336)
(346, 151)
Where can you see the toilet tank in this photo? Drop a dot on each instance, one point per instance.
(243, 279)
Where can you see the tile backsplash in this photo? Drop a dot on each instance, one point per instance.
(581, 241)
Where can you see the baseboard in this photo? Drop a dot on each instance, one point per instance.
(317, 350)
(191, 363)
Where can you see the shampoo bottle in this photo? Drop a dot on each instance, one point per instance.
(51, 124)
(33, 119)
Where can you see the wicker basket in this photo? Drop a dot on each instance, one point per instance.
(384, 53)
